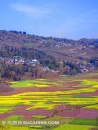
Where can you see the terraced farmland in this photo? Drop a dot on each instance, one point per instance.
(71, 101)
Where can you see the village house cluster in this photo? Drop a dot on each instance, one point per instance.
(87, 68)
(20, 60)
(17, 60)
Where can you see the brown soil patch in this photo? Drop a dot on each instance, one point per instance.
(5, 88)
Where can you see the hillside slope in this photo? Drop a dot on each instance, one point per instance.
(60, 48)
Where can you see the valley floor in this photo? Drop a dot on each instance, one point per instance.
(58, 104)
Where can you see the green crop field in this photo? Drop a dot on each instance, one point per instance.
(32, 83)
(73, 127)
(14, 118)
(84, 121)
